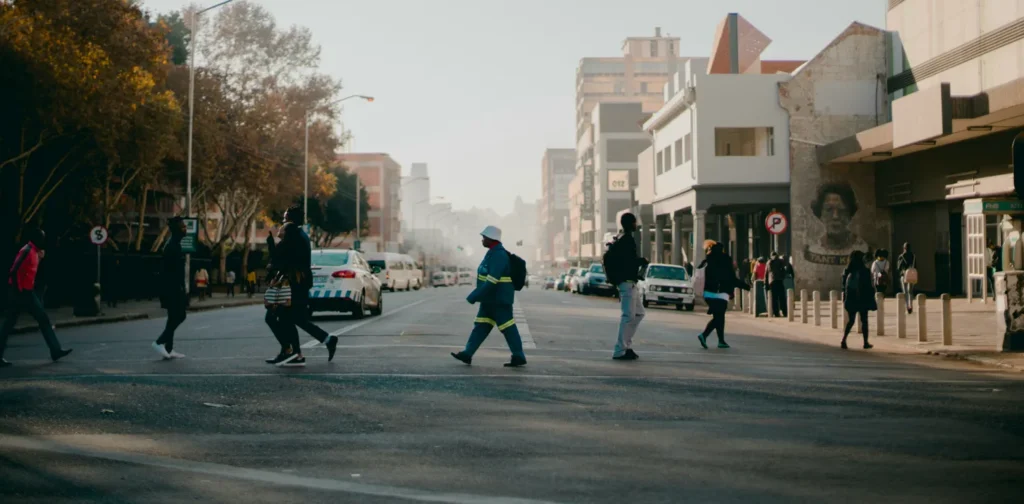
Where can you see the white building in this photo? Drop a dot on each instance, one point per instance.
(416, 197)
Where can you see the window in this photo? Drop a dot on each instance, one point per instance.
(688, 140)
(660, 162)
(744, 142)
(330, 258)
(654, 48)
(679, 152)
(668, 158)
(671, 49)
(643, 87)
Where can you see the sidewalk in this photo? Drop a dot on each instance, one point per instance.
(973, 324)
(132, 310)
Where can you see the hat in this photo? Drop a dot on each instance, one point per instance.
(491, 232)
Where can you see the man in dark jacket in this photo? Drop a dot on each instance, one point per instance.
(622, 265)
(292, 256)
(173, 296)
(777, 284)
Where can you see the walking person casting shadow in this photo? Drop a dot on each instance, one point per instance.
(173, 297)
(858, 296)
(718, 277)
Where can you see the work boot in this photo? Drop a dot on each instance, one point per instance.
(463, 357)
(516, 362)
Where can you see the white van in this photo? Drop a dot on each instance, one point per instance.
(397, 271)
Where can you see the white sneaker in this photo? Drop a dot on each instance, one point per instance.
(162, 350)
(176, 355)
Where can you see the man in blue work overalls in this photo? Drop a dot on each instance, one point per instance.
(495, 293)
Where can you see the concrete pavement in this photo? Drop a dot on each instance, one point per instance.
(395, 419)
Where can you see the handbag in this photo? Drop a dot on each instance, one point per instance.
(699, 277)
(278, 293)
(910, 276)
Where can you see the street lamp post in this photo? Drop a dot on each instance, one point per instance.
(305, 163)
(192, 50)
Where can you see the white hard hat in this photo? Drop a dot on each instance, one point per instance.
(491, 232)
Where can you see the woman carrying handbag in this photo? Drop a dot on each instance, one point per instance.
(716, 279)
(907, 267)
(858, 296)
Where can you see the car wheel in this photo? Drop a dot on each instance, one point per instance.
(377, 310)
(679, 307)
(646, 304)
(689, 307)
(360, 311)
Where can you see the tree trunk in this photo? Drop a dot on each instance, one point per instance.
(245, 247)
(223, 263)
(159, 239)
(142, 217)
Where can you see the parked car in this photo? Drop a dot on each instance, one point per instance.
(439, 279)
(666, 284)
(571, 278)
(465, 277)
(451, 278)
(560, 283)
(344, 281)
(594, 281)
(397, 271)
(549, 282)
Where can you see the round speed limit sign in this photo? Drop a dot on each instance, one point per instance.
(98, 235)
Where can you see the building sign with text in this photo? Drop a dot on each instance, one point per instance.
(618, 180)
(588, 191)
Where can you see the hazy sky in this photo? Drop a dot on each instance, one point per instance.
(479, 88)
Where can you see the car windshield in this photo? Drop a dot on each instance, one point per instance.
(438, 275)
(378, 264)
(330, 258)
(667, 273)
(596, 268)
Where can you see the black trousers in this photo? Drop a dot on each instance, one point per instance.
(176, 309)
(717, 309)
(27, 301)
(284, 322)
(850, 315)
(779, 299)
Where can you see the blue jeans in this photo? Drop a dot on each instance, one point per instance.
(488, 317)
(27, 301)
(632, 313)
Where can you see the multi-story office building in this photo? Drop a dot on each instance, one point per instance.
(956, 80)
(557, 168)
(382, 178)
(415, 197)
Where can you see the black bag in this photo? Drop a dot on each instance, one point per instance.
(517, 269)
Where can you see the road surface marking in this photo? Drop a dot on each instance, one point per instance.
(357, 325)
(524, 328)
(256, 475)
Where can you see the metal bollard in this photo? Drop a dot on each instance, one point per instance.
(922, 319)
(880, 316)
(901, 315)
(817, 308)
(947, 320)
(833, 306)
(790, 305)
(803, 306)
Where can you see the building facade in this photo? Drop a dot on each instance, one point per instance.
(415, 197)
(955, 78)
(382, 177)
(557, 169)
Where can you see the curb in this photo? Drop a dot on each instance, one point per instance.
(974, 358)
(84, 322)
(125, 317)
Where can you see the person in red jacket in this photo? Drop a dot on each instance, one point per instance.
(22, 281)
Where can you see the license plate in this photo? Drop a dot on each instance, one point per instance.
(319, 280)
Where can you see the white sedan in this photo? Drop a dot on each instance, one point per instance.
(666, 284)
(343, 281)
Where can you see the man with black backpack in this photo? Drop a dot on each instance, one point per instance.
(498, 277)
(622, 266)
(22, 281)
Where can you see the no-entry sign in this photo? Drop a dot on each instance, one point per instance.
(776, 223)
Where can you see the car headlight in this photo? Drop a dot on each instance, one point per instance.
(655, 288)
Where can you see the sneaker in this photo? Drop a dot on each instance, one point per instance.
(632, 355)
(296, 362)
(463, 357)
(868, 346)
(176, 355)
(60, 354)
(843, 345)
(5, 363)
(277, 360)
(703, 341)
(722, 344)
(516, 362)
(286, 359)
(332, 346)
(161, 350)
(624, 356)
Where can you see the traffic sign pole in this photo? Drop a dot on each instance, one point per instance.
(98, 235)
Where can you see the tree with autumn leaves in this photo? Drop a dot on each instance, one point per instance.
(94, 106)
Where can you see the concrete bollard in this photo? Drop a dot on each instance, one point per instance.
(768, 303)
(737, 299)
(817, 308)
(901, 315)
(803, 306)
(880, 316)
(790, 305)
(947, 320)
(833, 305)
(922, 319)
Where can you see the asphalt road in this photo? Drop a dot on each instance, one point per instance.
(395, 419)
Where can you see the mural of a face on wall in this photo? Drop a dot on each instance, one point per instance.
(835, 206)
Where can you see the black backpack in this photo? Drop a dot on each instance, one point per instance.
(517, 270)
